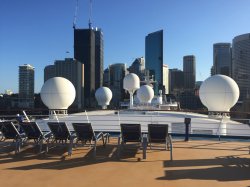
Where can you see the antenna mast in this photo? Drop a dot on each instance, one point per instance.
(90, 13)
(75, 16)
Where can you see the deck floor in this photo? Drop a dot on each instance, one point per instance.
(196, 163)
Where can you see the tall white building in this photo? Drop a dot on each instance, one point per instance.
(165, 78)
(26, 86)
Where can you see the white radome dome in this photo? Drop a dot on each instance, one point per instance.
(58, 93)
(219, 93)
(103, 96)
(131, 82)
(145, 94)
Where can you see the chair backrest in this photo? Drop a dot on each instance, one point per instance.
(31, 129)
(59, 130)
(84, 131)
(9, 130)
(157, 132)
(131, 132)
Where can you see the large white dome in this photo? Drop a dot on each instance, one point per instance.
(131, 82)
(58, 93)
(145, 94)
(219, 93)
(103, 96)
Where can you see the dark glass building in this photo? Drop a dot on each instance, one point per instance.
(98, 58)
(176, 81)
(88, 49)
(189, 70)
(154, 58)
(222, 56)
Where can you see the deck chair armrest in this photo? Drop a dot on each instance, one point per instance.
(99, 135)
(48, 135)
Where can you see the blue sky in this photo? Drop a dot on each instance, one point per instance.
(38, 32)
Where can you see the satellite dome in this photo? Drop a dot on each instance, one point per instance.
(131, 82)
(145, 94)
(219, 93)
(103, 96)
(58, 93)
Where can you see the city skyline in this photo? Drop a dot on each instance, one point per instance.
(38, 33)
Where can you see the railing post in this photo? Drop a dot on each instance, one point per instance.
(187, 122)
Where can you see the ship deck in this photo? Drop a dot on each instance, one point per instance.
(196, 163)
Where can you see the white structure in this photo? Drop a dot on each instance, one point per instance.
(219, 93)
(58, 94)
(145, 94)
(159, 98)
(165, 77)
(131, 83)
(103, 96)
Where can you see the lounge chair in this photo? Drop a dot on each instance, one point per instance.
(85, 133)
(33, 131)
(158, 133)
(61, 134)
(131, 133)
(9, 131)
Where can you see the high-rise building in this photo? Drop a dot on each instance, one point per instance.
(106, 77)
(176, 81)
(154, 58)
(138, 67)
(98, 58)
(189, 70)
(165, 79)
(85, 52)
(117, 73)
(73, 71)
(222, 59)
(241, 64)
(26, 86)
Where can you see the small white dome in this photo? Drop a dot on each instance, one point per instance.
(58, 93)
(219, 93)
(103, 96)
(145, 94)
(131, 82)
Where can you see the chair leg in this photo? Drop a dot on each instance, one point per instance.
(94, 151)
(119, 147)
(70, 146)
(40, 145)
(144, 146)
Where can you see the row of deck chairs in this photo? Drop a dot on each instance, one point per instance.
(84, 133)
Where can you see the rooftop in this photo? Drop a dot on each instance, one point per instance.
(196, 163)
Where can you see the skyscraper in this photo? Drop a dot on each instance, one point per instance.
(241, 64)
(117, 73)
(71, 70)
(84, 52)
(189, 70)
(222, 56)
(26, 86)
(176, 81)
(154, 58)
(98, 58)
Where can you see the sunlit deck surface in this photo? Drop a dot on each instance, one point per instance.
(196, 163)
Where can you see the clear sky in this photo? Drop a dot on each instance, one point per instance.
(37, 32)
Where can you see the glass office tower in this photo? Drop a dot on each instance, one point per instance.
(154, 58)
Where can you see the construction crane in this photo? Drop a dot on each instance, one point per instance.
(76, 12)
(90, 14)
(75, 16)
